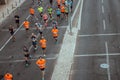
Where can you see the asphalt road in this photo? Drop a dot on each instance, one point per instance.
(11, 55)
(97, 53)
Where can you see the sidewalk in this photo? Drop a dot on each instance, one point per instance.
(6, 10)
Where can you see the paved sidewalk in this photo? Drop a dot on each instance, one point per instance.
(66, 54)
(6, 10)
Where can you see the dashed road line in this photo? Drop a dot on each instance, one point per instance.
(104, 24)
(103, 10)
(102, 1)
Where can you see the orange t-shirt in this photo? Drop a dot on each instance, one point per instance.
(63, 1)
(32, 11)
(62, 8)
(42, 43)
(58, 2)
(41, 63)
(8, 76)
(55, 32)
(26, 24)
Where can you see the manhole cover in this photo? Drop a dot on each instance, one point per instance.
(104, 65)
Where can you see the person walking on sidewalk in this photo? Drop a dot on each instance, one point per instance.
(11, 29)
(41, 62)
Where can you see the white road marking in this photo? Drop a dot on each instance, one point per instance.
(22, 29)
(107, 60)
(22, 60)
(102, 1)
(11, 36)
(104, 24)
(95, 55)
(95, 35)
(103, 10)
(80, 16)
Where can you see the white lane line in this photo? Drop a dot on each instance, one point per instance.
(107, 60)
(76, 9)
(11, 36)
(103, 10)
(22, 29)
(22, 60)
(102, 1)
(80, 16)
(95, 55)
(104, 24)
(95, 35)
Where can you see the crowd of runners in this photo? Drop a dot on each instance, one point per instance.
(50, 16)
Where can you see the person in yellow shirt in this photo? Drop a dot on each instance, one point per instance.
(41, 62)
(43, 44)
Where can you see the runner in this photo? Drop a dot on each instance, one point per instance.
(58, 13)
(62, 9)
(54, 23)
(43, 45)
(55, 33)
(8, 76)
(11, 29)
(41, 62)
(58, 3)
(51, 2)
(26, 55)
(17, 20)
(32, 14)
(66, 12)
(40, 9)
(50, 11)
(26, 24)
(45, 18)
(40, 28)
(34, 41)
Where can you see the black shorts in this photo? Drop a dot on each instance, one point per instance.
(42, 69)
(45, 20)
(43, 48)
(32, 14)
(12, 33)
(17, 21)
(27, 29)
(55, 36)
(58, 15)
(66, 13)
(41, 32)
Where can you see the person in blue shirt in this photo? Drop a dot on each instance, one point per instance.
(58, 13)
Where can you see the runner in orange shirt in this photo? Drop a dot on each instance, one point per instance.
(55, 33)
(43, 45)
(26, 24)
(58, 3)
(31, 11)
(41, 62)
(63, 2)
(8, 76)
(62, 9)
